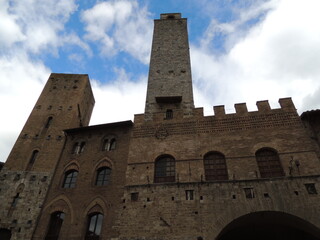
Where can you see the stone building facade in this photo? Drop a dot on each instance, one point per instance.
(172, 173)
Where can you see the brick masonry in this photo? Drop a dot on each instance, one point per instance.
(133, 206)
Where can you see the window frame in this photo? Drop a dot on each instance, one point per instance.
(215, 166)
(165, 169)
(269, 163)
(56, 221)
(89, 234)
(106, 176)
(73, 179)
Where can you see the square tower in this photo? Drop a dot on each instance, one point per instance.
(169, 84)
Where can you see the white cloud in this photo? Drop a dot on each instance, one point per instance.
(120, 26)
(28, 28)
(118, 100)
(21, 82)
(276, 58)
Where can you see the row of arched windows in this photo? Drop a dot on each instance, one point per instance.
(103, 177)
(93, 229)
(215, 167)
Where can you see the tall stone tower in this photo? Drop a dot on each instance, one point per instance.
(169, 84)
(65, 102)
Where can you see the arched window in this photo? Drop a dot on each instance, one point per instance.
(94, 226)
(55, 224)
(103, 176)
(32, 159)
(215, 167)
(269, 163)
(70, 179)
(109, 144)
(164, 169)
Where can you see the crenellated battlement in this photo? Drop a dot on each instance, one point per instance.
(286, 105)
(220, 122)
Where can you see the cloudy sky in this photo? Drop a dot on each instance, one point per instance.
(241, 51)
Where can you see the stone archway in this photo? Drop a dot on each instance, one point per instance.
(269, 225)
(5, 234)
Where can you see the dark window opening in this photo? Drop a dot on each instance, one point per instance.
(215, 166)
(269, 163)
(169, 114)
(109, 144)
(249, 192)
(55, 224)
(32, 159)
(70, 179)
(94, 226)
(5, 234)
(103, 176)
(49, 121)
(164, 169)
(15, 200)
(311, 188)
(189, 194)
(134, 197)
(78, 147)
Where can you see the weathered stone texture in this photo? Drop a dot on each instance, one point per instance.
(77, 203)
(162, 210)
(170, 71)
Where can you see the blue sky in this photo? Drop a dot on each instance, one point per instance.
(241, 51)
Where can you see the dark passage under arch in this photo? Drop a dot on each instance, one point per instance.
(5, 234)
(268, 225)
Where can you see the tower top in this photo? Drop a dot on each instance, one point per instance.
(170, 16)
(169, 83)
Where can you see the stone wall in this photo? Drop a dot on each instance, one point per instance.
(162, 211)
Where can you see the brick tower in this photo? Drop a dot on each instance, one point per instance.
(169, 85)
(65, 102)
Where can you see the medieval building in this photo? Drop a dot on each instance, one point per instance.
(172, 173)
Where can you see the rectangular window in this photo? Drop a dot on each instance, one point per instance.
(134, 197)
(189, 194)
(249, 192)
(311, 188)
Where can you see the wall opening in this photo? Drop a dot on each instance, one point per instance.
(268, 225)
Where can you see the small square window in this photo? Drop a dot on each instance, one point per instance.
(311, 188)
(189, 194)
(134, 197)
(249, 192)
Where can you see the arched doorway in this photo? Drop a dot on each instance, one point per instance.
(269, 225)
(5, 234)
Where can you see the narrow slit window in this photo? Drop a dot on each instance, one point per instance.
(32, 159)
(49, 121)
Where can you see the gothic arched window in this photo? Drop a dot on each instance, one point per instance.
(215, 166)
(164, 169)
(269, 163)
(94, 226)
(103, 176)
(55, 224)
(70, 179)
